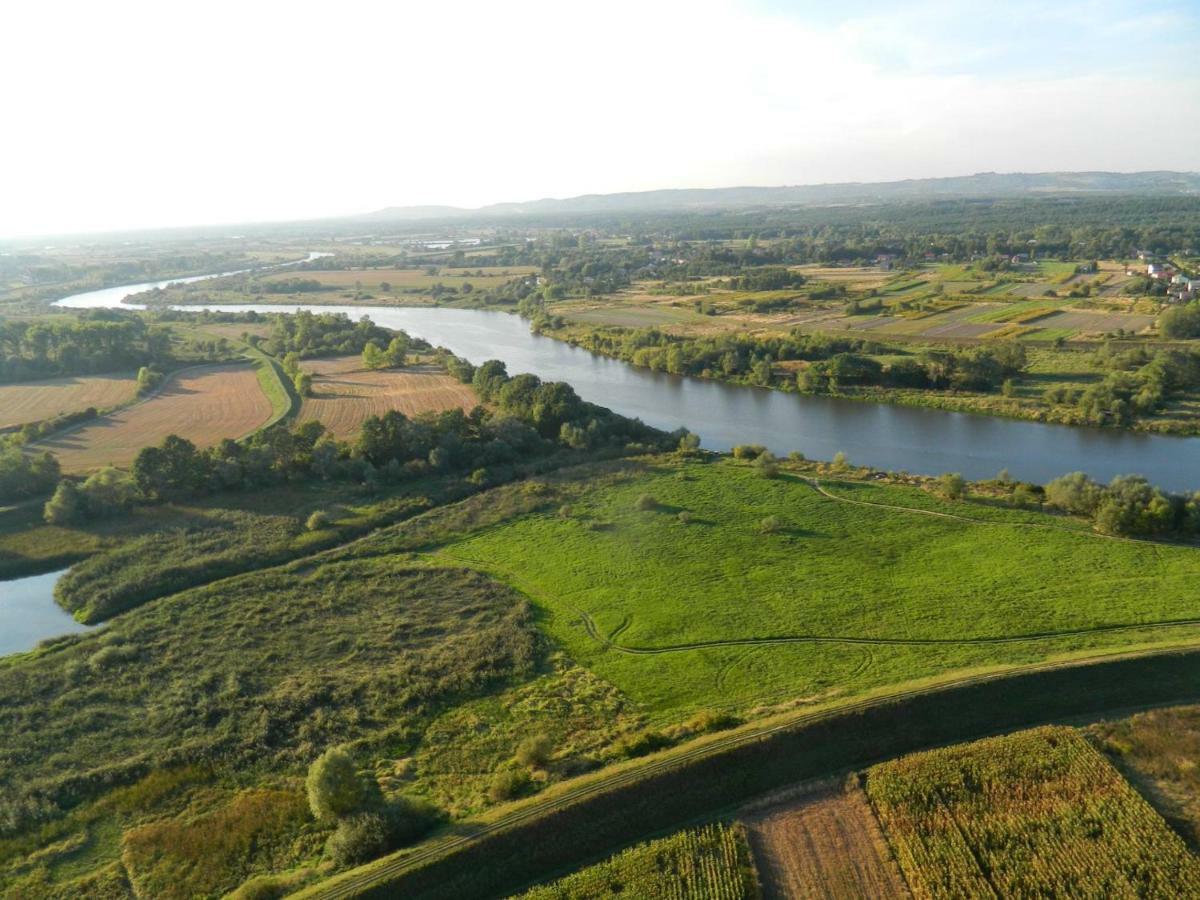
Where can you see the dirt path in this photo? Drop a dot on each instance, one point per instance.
(826, 843)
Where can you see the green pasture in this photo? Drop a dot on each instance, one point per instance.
(931, 594)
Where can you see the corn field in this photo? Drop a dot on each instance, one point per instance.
(709, 863)
(1035, 814)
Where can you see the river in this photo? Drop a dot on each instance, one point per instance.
(28, 613)
(896, 438)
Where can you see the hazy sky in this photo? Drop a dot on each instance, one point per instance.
(124, 114)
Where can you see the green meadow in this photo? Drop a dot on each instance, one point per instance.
(693, 604)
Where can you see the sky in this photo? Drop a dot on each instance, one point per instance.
(125, 114)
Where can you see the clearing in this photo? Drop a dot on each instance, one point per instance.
(824, 843)
(345, 394)
(1039, 813)
(204, 405)
(37, 401)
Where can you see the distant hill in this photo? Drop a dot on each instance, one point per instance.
(985, 184)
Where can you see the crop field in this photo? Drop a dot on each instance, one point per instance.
(36, 401)
(826, 843)
(1096, 322)
(1040, 813)
(844, 593)
(202, 404)
(345, 394)
(709, 863)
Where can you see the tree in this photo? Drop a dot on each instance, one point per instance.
(107, 492)
(395, 355)
(334, 786)
(372, 356)
(66, 506)
(303, 384)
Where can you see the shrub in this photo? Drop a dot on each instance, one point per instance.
(535, 751)
(951, 486)
(684, 517)
(317, 521)
(840, 461)
(748, 451)
(709, 720)
(796, 456)
(507, 784)
(357, 839)
(65, 507)
(334, 786)
(770, 525)
(642, 743)
(272, 887)
(767, 464)
(565, 511)
(646, 502)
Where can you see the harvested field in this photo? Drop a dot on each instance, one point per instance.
(419, 279)
(203, 404)
(826, 843)
(855, 278)
(345, 394)
(1096, 322)
(36, 401)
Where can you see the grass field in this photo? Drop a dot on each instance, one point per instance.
(1035, 814)
(709, 863)
(166, 715)
(203, 404)
(406, 279)
(344, 394)
(823, 843)
(36, 401)
(839, 598)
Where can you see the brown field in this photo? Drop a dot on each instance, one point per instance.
(1095, 322)
(36, 401)
(345, 394)
(203, 404)
(825, 843)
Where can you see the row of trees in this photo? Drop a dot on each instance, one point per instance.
(836, 361)
(1128, 505)
(98, 341)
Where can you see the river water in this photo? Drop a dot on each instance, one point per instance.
(28, 613)
(896, 438)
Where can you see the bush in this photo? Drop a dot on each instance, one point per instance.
(748, 451)
(65, 507)
(770, 525)
(334, 786)
(317, 521)
(796, 456)
(507, 784)
(767, 464)
(708, 720)
(840, 462)
(642, 743)
(272, 887)
(646, 502)
(357, 839)
(535, 751)
(684, 517)
(951, 486)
